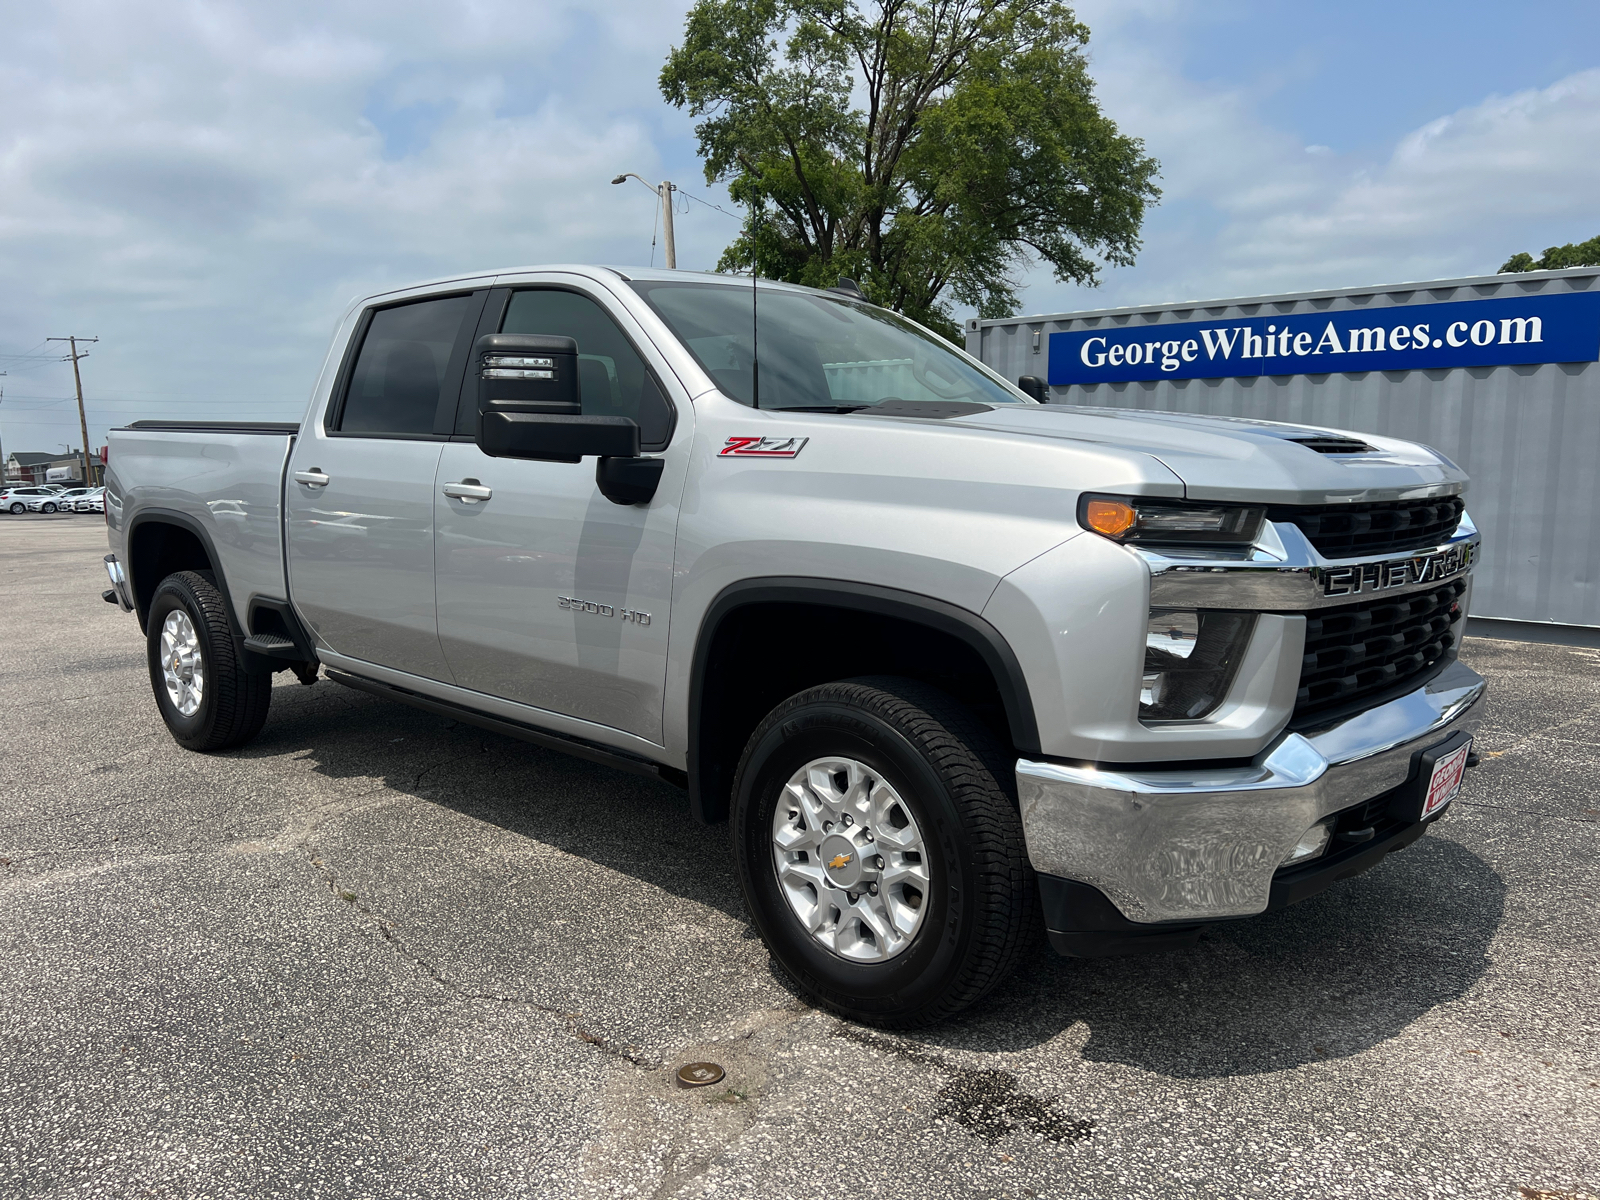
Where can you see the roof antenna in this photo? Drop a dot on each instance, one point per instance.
(755, 345)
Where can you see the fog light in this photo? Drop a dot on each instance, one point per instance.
(1190, 658)
(1312, 843)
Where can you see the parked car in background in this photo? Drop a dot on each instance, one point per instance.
(93, 501)
(67, 501)
(21, 499)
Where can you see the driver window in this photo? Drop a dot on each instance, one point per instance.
(612, 379)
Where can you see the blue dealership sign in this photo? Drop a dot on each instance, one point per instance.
(1469, 333)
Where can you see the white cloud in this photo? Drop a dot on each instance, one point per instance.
(1250, 208)
(204, 185)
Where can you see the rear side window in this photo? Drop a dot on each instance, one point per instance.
(612, 379)
(403, 364)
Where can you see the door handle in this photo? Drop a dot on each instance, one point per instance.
(313, 478)
(469, 491)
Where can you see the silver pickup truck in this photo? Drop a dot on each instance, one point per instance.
(954, 663)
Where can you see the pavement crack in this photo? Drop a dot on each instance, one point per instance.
(386, 930)
(1526, 812)
(444, 762)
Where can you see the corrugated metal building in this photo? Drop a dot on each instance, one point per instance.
(1498, 372)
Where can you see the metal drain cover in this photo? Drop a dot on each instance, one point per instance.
(700, 1075)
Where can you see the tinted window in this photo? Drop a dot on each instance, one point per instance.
(817, 351)
(402, 365)
(612, 378)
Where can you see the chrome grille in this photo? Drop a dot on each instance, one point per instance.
(1363, 530)
(1359, 650)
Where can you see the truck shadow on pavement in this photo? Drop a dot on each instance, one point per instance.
(1330, 977)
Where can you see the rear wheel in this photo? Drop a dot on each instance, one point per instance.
(18, 508)
(206, 698)
(880, 851)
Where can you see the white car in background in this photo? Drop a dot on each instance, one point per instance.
(29, 496)
(67, 501)
(92, 501)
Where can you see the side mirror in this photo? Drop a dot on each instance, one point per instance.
(1035, 387)
(530, 405)
(527, 374)
(556, 438)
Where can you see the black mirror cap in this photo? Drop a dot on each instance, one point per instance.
(556, 438)
(628, 480)
(531, 373)
(1033, 386)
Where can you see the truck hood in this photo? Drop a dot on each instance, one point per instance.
(1237, 458)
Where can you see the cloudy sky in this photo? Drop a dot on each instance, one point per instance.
(204, 184)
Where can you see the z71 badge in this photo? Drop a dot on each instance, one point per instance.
(762, 447)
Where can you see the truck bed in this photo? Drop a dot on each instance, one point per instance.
(223, 479)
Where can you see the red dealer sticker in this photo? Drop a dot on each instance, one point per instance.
(1446, 781)
(762, 447)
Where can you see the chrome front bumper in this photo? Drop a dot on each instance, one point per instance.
(1200, 844)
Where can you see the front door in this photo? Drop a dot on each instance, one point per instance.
(548, 593)
(359, 498)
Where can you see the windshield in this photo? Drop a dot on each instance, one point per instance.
(817, 352)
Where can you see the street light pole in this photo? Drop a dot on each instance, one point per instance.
(666, 224)
(83, 420)
(664, 190)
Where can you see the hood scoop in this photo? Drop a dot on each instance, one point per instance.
(1331, 444)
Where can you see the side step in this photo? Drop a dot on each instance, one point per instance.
(576, 747)
(272, 645)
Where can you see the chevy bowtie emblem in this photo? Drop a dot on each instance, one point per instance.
(839, 860)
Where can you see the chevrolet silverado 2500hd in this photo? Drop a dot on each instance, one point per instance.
(955, 663)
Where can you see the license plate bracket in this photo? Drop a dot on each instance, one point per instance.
(1437, 775)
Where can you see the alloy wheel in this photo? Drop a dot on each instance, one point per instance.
(850, 859)
(182, 664)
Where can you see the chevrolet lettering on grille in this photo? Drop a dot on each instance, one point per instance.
(1363, 578)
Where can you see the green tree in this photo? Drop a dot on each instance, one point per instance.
(1557, 258)
(931, 149)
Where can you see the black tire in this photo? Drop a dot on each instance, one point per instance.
(47, 507)
(981, 905)
(18, 508)
(233, 703)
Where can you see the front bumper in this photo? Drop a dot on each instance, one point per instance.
(1204, 843)
(120, 591)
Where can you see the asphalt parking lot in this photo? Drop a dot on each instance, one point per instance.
(377, 954)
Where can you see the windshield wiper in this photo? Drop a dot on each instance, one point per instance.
(833, 408)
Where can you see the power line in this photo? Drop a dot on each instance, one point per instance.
(708, 204)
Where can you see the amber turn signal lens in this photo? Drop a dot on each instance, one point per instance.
(1109, 517)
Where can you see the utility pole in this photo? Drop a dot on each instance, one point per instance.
(83, 420)
(667, 188)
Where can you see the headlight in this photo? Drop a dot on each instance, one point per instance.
(1136, 519)
(1190, 657)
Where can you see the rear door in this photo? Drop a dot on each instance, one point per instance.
(550, 594)
(359, 497)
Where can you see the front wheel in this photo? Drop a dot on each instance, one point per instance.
(207, 700)
(880, 852)
(47, 507)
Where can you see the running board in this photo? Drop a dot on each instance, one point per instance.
(576, 747)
